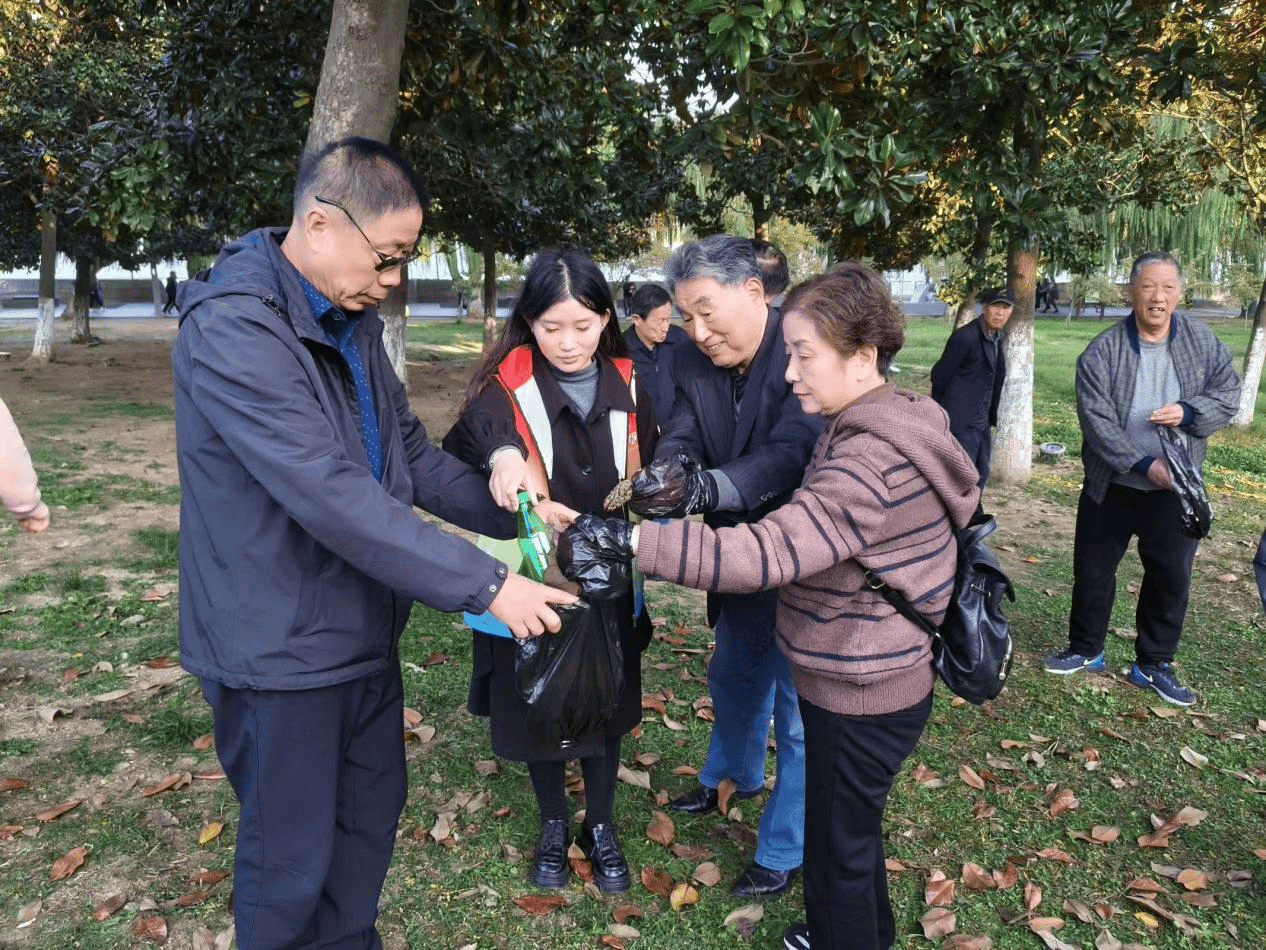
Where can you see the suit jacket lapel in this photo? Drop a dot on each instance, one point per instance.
(756, 374)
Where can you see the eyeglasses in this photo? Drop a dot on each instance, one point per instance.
(386, 262)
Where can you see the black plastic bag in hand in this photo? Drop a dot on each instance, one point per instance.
(597, 554)
(572, 680)
(670, 488)
(1188, 485)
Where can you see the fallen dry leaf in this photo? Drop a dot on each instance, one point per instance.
(661, 828)
(1063, 801)
(971, 777)
(487, 767)
(1007, 877)
(210, 832)
(683, 894)
(744, 919)
(634, 776)
(626, 912)
(612, 941)
(690, 852)
(1099, 834)
(707, 874)
(1192, 757)
(1193, 879)
(109, 906)
(1052, 942)
(28, 912)
(175, 780)
(68, 863)
(204, 742)
(1079, 909)
(938, 891)
(625, 932)
(938, 922)
(58, 810)
(968, 942)
(977, 878)
(150, 928)
(188, 900)
(540, 903)
(11, 784)
(657, 881)
(1032, 896)
(1055, 854)
(206, 878)
(1145, 885)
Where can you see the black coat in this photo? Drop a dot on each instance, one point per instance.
(967, 379)
(763, 450)
(584, 474)
(655, 367)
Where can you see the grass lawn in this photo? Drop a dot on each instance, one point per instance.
(1043, 804)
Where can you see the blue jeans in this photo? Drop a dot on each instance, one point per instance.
(750, 683)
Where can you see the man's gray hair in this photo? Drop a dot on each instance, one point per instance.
(1154, 257)
(728, 260)
(365, 176)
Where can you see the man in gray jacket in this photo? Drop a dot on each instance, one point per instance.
(1154, 368)
(300, 552)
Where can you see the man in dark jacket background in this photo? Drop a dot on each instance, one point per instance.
(747, 442)
(967, 379)
(300, 552)
(653, 341)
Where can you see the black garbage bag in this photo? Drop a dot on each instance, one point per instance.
(673, 487)
(572, 680)
(1188, 484)
(598, 555)
(1259, 568)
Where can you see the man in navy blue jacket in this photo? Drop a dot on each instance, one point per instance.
(741, 442)
(300, 552)
(967, 379)
(653, 341)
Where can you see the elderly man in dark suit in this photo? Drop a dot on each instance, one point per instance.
(738, 442)
(967, 379)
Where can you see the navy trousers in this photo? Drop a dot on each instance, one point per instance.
(978, 444)
(1103, 536)
(319, 776)
(850, 763)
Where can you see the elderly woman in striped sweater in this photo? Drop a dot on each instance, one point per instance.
(886, 487)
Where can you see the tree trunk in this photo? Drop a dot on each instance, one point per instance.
(42, 349)
(85, 272)
(359, 89)
(157, 290)
(358, 94)
(760, 217)
(1253, 359)
(966, 310)
(490, 290)
(1012, 460)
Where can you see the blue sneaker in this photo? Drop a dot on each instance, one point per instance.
(1066, 661)
(1160, 677)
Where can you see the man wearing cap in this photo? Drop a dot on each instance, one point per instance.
(967, 379)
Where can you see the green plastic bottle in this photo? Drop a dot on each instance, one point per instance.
(534, 542)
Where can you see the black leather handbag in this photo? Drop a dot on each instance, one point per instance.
(971, 649)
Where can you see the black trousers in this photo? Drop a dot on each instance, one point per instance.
(320, 778)
(1103, 536)
(978, 444)
(850, 763)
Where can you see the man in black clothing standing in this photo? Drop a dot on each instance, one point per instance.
(967, 379)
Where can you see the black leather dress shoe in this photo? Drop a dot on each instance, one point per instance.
(550, 867)
(704, 799)
(601, 846)
(760, 881)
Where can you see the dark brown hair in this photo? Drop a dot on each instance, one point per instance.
(851, 306)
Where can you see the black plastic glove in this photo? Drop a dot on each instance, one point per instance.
(598, 555)
(672, 488)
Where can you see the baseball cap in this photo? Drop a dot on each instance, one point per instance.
(997, 295)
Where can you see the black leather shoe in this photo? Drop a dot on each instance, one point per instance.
(550, 867)
(602, 847)
(704, 799)
(760, 881)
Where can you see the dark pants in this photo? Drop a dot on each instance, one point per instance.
(319, 775)
(978, 444)
(1103, 536)
(850, 762)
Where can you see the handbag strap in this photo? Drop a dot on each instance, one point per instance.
(899, 602)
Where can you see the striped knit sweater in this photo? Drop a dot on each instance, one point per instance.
(884, 483)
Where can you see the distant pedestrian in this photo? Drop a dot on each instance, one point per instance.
(19, 488)
(652, 340)
(967, 379)
(95, 298)
(171, 294)
(627, 293)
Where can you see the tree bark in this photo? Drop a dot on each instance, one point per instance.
(358, 94)
(85, 271)
(760, 217)
(966, 310)
(490, 290)
(42, 348)
(1012, 460)
(1253, 359)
